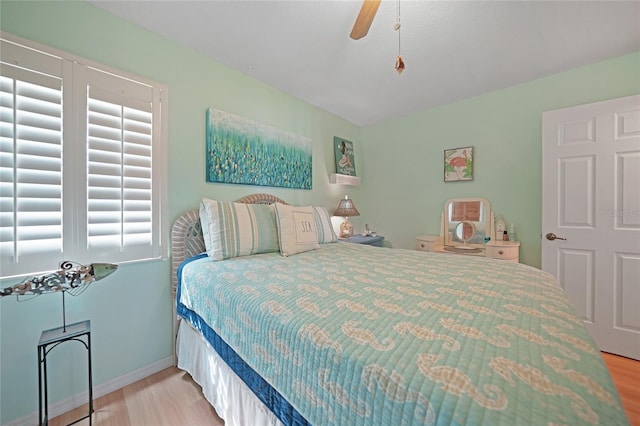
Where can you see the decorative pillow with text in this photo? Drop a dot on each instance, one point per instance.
(297, 229)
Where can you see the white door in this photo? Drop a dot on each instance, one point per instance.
(591, 204)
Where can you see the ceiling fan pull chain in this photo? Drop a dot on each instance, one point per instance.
(399, 61)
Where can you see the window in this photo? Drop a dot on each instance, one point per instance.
(82, 161)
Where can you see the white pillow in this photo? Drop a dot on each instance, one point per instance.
(297, 229)
(237, 229)
(326, 234)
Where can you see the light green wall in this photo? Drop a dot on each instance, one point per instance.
(400, 163)
(403, 190)
(131, 310)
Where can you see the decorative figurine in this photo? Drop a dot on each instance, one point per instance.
(71, 277)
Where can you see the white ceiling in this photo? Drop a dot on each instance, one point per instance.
(452, 49)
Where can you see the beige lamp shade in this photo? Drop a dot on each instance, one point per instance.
(346, 208)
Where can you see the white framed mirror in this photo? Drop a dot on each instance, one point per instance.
(466, 223)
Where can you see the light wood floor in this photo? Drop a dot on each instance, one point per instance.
(626, 376)
(171, 398)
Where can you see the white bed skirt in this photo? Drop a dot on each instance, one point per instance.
(234, 402)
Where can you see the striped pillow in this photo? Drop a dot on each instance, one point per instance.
(326, 234)
(237, 229)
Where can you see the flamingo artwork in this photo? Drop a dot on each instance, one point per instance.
(458, 165)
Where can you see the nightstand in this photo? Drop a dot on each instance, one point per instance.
(360, 239)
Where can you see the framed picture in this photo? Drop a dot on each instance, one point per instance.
(458, 164)
(345, 163)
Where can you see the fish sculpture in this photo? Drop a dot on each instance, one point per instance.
(71, 277)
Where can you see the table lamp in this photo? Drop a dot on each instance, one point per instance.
(346, 209)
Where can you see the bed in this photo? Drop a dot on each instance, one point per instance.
(314, 331)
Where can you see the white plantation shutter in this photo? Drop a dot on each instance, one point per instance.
(82, 163)
(30, 166)
(119, 175)
(120, 166)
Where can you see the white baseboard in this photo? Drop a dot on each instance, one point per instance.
(103, 389)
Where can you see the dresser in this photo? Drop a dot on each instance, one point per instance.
(468, 228)
(503, 250)
(429, 242)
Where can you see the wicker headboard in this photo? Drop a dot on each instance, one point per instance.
(186, 233)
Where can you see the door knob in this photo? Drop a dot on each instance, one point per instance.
(551, 236)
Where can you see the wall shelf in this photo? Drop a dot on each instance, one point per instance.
(344, 179)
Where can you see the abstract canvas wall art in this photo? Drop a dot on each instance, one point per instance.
(242, 151)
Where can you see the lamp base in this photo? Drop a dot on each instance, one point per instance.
(346, 229)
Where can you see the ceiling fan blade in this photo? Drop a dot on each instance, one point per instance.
(364, 19)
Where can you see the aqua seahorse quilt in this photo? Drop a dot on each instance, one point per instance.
(357, 335)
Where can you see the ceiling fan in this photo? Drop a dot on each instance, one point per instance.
(364, 19)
